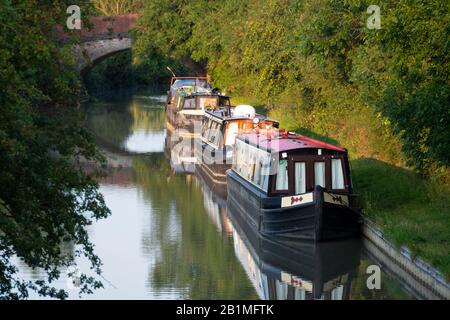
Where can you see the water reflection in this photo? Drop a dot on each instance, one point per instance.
(296, 270)
(171, 235)
(183, 254)
(135, 126)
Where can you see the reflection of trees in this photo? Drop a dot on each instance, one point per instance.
(113, 123)
(191, 255)
(110, 123)
(147, 115)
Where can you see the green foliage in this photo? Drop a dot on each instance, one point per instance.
(404, 69)
(111, 75)
(317, 59)
(46, 199)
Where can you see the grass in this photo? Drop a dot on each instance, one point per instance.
(411, 211)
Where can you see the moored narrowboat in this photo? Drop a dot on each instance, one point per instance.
(214, 151)
(292, 186)
(187, 100)
(187, 84)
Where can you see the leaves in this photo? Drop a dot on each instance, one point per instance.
(46, 198)
(319, 60)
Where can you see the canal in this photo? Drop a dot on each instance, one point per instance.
(170, 237)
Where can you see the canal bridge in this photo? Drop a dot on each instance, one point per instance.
(105, 37)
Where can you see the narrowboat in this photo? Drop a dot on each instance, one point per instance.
(280, 269)
(188, 85)
(291, 186)
(187, 99)
(214, 150)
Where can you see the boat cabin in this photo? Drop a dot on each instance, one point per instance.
(282, 163)
(222, 125)
(198, 102)
(189, 85)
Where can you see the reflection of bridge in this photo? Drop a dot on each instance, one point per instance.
(107, 36)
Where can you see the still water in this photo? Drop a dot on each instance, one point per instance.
(170, 237)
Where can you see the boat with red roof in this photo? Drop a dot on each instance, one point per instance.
(292, 186)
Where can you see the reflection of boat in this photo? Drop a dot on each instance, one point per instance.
(215, 205)
(219, 130)
(293, 186)
(187, 99)
(179, 150)
(295, 269)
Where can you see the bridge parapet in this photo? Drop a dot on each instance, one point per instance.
(101, 28)
(104, 37)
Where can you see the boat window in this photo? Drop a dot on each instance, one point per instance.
(206, 124)
(265, 170)
(205, 102)
(257, 174)
(281, 290)
(237, 156)
(215, 133)
(337, 175)
(189, 103)
(319, 174)
(251, 164)
(178, 102)
(300, 177)
(232, 132)
(337, 293)
(244, 161)
(224, 101)
(240, 158)
(282, 176)
(299, 294)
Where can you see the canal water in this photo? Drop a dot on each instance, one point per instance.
(170, 237)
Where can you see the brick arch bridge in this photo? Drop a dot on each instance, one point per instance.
(107, 36)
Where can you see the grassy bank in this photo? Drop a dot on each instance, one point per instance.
(410, 210)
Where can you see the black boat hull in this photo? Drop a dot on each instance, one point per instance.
(324, 265)
(316, 219)
(212, 165)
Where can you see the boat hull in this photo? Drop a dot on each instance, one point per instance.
(188, 121)
(216, 182)
(212, 165)
(315, 219)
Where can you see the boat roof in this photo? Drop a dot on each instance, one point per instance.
(173, 79)
(282, 140)
(205, 94)
(223, 114)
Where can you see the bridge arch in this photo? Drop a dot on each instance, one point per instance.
(107, 36)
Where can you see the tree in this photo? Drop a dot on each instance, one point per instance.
(46, 197)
